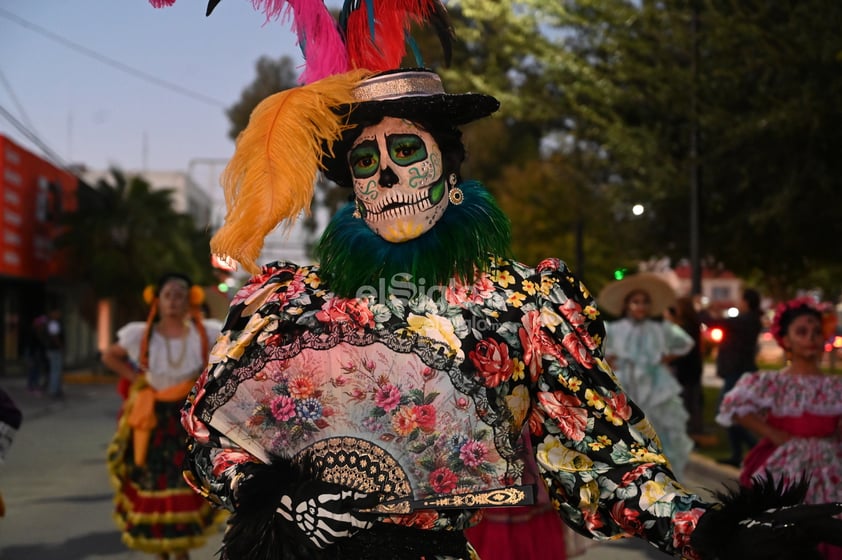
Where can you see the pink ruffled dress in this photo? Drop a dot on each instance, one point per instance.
(810, 408)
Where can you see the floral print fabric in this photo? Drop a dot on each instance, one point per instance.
(443, 379)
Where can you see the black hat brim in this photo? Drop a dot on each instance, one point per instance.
(454, 109)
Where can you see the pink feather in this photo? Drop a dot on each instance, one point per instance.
(161, 3)
(272, 8)
(318, 34)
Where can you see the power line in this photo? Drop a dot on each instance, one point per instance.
(140, 74)
(49, 152)
(16, 101)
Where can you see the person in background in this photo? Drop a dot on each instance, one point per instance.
(54, 331)
(639, 349)
(797, 411)
(735, 357)
(36, 355)
(688, 368)
(161, 358)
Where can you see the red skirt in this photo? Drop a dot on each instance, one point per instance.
(155, 509)
(525, 533)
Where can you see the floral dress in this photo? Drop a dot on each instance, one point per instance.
(422, 396)
(809, 407)
(636, 349)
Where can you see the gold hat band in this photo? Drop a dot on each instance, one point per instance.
(392, 86)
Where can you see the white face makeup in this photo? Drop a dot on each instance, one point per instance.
(398, 179)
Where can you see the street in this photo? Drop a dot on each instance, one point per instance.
(58, 498)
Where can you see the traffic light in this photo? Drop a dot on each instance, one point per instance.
(620, 273)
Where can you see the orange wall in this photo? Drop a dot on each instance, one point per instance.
(33, 195)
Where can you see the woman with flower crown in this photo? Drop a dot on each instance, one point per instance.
(159, 359)
(797, 411)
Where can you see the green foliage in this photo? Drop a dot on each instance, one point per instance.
(125, 235)
(271, 76)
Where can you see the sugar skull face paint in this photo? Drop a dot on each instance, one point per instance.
(399, 179)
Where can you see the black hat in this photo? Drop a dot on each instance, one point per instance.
(415, 94)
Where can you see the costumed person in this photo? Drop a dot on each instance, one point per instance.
(797, 411)
(161, 358)
(372, 406)
(640, 349)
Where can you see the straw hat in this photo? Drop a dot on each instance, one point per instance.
(661, 294)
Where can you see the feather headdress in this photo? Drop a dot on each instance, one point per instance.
(271, 177)
(370, 34)
(272, 174)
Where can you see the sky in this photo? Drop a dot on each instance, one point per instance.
(92, 112)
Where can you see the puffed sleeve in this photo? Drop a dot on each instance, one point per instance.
(753, 393)
(129, 337)
(596, 451)
(216, 466)
(676, 339)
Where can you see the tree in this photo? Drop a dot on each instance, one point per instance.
(767, 87)
(125, 235)
(271, 77)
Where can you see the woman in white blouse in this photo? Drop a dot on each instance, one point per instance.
(161, 358)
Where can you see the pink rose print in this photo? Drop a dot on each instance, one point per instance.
(404, 421)
(482, 290)
(425, 416)
(593, 521)
(529, 340)
(456, 293)
(228, 458)
(620, 404)
(344, 310)
(548, 264)
(572, 311)
(462, 403)
(443, 480)
(684, 523)
(573, 345)
(491, 359)
(253, 285)
(473, 453)
(283, 408)
(536, 422)
(387, 397)
(333, 311)
(301, 387)
(567, 411)
(629, 478)
(628, 519)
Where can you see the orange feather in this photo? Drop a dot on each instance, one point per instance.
(271, 177)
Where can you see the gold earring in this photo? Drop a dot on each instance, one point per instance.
(357, 213)
(452, 179)
(455, 195)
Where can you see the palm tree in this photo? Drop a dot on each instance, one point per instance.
(125, 235)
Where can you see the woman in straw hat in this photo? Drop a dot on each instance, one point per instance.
(639, 349)
(372, 406)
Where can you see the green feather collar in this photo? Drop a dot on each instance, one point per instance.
(351, 255)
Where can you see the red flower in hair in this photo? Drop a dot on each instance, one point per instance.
(785, 308)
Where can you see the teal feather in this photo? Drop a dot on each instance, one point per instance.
(351, 255)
